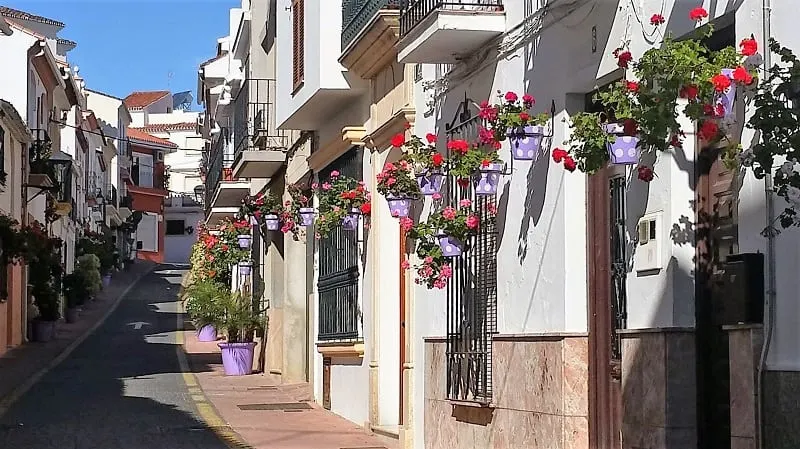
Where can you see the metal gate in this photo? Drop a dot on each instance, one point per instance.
(339, 312)
(472, 292)
(619, 267)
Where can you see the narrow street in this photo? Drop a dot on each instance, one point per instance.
(122, 388)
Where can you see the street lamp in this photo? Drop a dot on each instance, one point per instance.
(62, 168)
(100, 199)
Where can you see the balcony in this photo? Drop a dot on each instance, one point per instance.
(223, 193)
(370, 31)
(260, 147)
(443, 31)
(42, 174)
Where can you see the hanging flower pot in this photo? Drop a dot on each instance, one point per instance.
(451, 246)
(624, 150)
(350, 221)
(526, 142)
(487, 178)
(244, 240)
(272, 222)
(307, 215)
(399, 206)
(245, 267)
(724, 100)
(430, 183)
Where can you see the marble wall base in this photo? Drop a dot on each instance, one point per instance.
(540, 397)
(781, 409)
(744, 347)
(658, 389)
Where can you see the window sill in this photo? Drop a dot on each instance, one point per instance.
(297, 87)
(340, 349)
(472, 404)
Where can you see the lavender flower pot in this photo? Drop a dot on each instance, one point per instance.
(430, 183)
(451, 247)
(106, 280)
(526, 142)
(237, 358)
(71, 314)
(245, 268)
(244, 241)
(307, 215)
(399, 206)
(486, 179)
(350, 221)
(624, 150)
(726, 98)
(43, 331)
(272, 222)
(207, 333)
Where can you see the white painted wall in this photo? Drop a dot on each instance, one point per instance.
(177, 248)
(14, 78)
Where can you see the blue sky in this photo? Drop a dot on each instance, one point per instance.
(128, 45)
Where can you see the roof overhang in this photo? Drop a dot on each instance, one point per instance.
(10, 116)
(5, 28)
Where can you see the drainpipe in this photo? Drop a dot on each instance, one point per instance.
(770, 216)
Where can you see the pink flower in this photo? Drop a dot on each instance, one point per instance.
(390, 181)
(406, 224)
(440, 284)
(431, 138)
(314, 186)
(473, 221)
(334, 173)
(446, 271)
(697, 14)
(437, 196)
(466, 202)
(336, 208)
(326, 186)
(428, 260)
(405, 265)
(528, 101)
(657, 19)
(449, 213)
(492, 208)
(511, 97)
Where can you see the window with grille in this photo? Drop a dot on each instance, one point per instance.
(472, 292)
(176, 227)
(338, 282)
(298, 42)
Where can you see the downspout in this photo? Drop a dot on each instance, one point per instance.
(770, 217)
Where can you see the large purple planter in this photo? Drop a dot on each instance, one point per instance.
(43, 331)
(307, 215)
(451, 247)
(106, 280)
(526, 142)
(272, 222)
(350, 221)
(486, 179)
(726, 98)
(237, 358)
(624, 150)
(207, 333)
(244, 240)
(430, 183)
(399, 206)
(245, 267)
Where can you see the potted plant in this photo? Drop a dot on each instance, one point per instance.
(454, 225)
(434, 269)
(397, 184)
(239, 319)
(298, 211)
(89, 268)
(75, 295)
(342, 200)
(265, 208)
(427, 163)
(202, 300)
(512, 119)
(479, 162)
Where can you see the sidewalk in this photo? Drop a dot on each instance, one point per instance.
(287, 425)
(23, 363)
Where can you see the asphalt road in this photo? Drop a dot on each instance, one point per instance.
(122, 388)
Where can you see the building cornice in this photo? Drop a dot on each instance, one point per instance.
(351, 136)
(396, 124)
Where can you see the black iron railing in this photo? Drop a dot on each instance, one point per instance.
(254, 122)
(219, 166)
(337, 286)
(39, 153)
(619, 266)
(413, 12)
(356, 14)
(472, 292)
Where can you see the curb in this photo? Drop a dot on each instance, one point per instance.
(15, 394)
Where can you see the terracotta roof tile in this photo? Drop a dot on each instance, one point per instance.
(166, 127)
(139, 100)
(137, 134)
(22, 15)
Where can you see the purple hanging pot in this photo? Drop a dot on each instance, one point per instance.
(486, 179)
(272, 222)
(245, 268)
(526, 142)
(726, 98)
(307, 216)
(430, 182)
(350, 221)
(244, 240)
(451, 246)
(207, 333)
(399, 206)
(237, 358)
(624, 150)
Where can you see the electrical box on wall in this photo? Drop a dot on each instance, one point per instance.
(647, 256)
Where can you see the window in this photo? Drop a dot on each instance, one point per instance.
(176, 227)
(298, 42)
(2, 157)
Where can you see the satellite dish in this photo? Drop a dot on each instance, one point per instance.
(182, 100)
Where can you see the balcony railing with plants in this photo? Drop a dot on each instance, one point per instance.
(357, 14)
(39, 154)
(413, 12)
(254, 118)
(219, 168)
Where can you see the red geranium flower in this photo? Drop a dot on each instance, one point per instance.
(398, 140)
(624, 58)
(698, 14)
(431, 138)
(749, 46)
(459, 145)
(437, 160)
(689, 92)
(630, 127)
(366, 208)
(708, 130)
(511, 97)
(407, 125)
(720, 82)
(569, 163)
(645, 173)
(463, 182)
(559, 155)
(657, 19)
(632, 86)
(741, 75)
(708, 109)
(528, 100)
(524, 116)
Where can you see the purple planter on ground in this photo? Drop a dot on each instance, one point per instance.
(526, 142)
(451, 247)
(244, 240)
(624, 150)
(43, 331)
(350, 221)
(486, 179)
(272, 222)
(430, 183)
(307, 215)
(106, 280)
(207, 333)
(399, 206)
(237, 358)
(726, 99)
